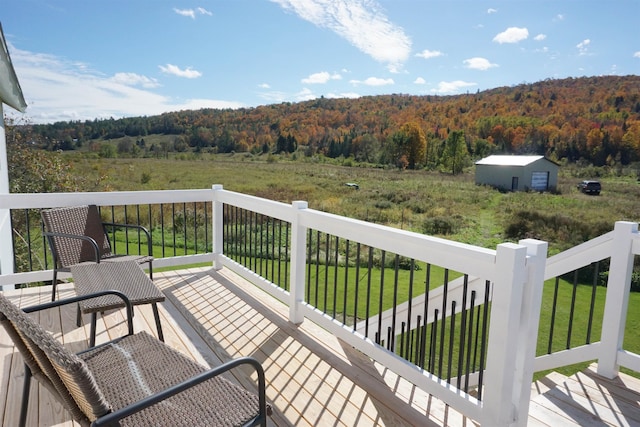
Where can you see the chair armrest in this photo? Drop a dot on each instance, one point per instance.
(71, 300)
(94, 244)
(113, 417)
(135, 226)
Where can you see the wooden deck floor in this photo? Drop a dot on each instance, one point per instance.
(313, 378)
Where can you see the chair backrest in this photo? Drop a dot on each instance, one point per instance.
(50, 361)
(78, 221)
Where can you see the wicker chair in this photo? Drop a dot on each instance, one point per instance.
(134, 380)
(78, 234)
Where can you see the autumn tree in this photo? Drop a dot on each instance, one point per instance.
(455, 155)
(33, 171)
(410, 143)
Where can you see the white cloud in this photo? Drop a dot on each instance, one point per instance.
(133, 79)
(636, 54)
(305, 95)
(476, 63)
(512, 35)
(57, 89)
(176, 71)
(583, 47)
(540, 37)
(275, 97)
(343, 95)
(419, 81)
(452, 87)
(373, 81)
(264, 86)
(190, 13)
(360, 22)
(427, 54)
(491, 10)
(559, 17)
(320, 78)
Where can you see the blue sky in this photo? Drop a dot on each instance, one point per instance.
(87, 59)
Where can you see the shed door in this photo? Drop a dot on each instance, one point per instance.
(540, 181)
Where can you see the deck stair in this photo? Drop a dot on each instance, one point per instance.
(585, 399)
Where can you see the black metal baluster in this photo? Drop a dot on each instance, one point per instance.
(195, 228)
(381, 295)
(368, 305)
(553, 315)
(452, 328)
(444, 316)
(286, 256)
(327, 248)
(572, 310)
(469, 339)
(596, 268)
(425, 313)
(483, 341)
(409, 340)
(335, 277)
(317, 268)
(357, 285)
(162, 228)
(184, 226)
(138, 230)
(173, 227)
(433, 341)
(463, 326)
(394, 312)
(346, 283)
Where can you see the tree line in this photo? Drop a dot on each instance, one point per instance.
(591, 119)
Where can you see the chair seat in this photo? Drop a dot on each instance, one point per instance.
(126, 277)
(136, 367)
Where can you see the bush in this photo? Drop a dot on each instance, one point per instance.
(553, 228)
(443, 225)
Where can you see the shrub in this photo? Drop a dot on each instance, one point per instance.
(443, 225)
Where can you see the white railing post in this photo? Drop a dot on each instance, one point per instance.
(617, 299)
(529, 324)
(6, 240)
(298, 263)
(498, 400)
(217, 222)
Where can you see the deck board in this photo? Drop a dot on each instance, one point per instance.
(313, 378)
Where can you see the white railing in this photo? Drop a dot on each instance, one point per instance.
(621, 245)
(123, 198)
(516, 272)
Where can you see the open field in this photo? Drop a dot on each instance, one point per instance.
(427, 202)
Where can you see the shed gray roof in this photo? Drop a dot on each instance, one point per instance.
(498, 160)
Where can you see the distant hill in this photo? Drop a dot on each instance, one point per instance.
(596, 119)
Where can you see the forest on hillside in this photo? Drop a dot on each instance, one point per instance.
(595, 120)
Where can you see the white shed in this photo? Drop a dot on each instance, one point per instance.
(517, 173)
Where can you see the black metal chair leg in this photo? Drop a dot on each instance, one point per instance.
(54, 284)
(92, 331)
(156, 315)
(78, 316)
(25, 397)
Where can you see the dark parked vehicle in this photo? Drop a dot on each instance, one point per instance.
(590, 187)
